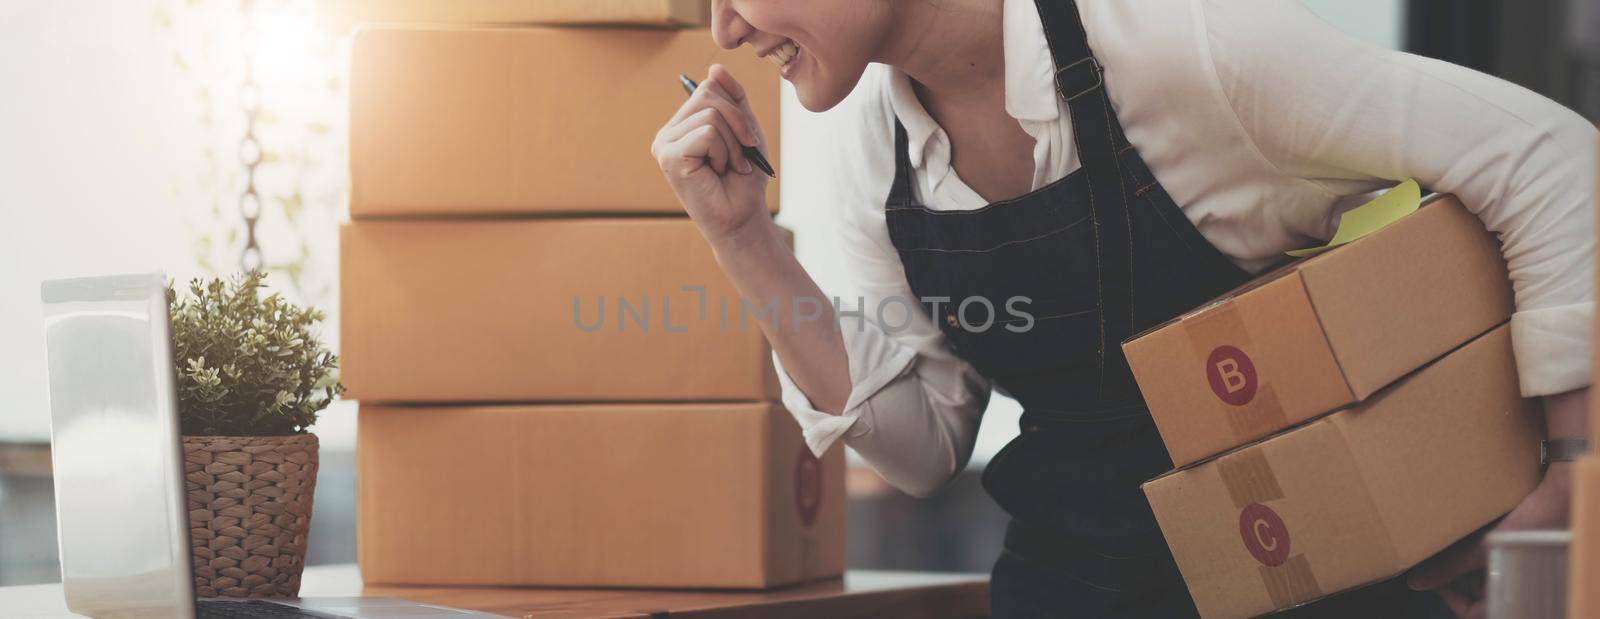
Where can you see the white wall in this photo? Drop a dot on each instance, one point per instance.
(119, 130)
(82, 171)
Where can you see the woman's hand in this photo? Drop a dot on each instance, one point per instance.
(1457, 574)
(700, 152)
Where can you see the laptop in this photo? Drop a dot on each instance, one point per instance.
(118, 464)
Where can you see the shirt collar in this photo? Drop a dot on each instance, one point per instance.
(1029, 73)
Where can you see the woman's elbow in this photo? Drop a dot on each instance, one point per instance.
(927, 479)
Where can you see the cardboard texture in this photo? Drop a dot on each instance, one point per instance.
(1359, 495)
(1584, 579)
(528, 121)
(544, 310)
(1322, 333)
(596, 495)
(1584, 561)
(342, 15)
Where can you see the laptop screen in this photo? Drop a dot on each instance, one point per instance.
(114, 446)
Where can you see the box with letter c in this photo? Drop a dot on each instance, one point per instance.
(1357, 496)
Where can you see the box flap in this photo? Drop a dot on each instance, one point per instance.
(595, 495)
(1470, 406)
(1409, 293)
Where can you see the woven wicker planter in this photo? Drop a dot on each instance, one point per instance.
(249, 512)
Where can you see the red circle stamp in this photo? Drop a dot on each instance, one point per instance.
(808, 486)
(1232, 375)
(1264, 534)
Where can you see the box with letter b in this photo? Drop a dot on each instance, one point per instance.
(1322, 333)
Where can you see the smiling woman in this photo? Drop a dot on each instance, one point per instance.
(1199, 138)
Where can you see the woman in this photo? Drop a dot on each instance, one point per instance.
(1054, 150)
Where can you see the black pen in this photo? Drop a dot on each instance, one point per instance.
(751, 154)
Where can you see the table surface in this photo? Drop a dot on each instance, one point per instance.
(858, 594)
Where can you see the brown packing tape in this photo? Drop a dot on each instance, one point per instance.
(1292, 583)
(1220, 340)
(1251, 485)
(1249, 478)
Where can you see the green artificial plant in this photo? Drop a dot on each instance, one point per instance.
(247, 365)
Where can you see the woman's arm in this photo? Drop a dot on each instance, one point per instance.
(914, 417)
(699, 151)
(1349, 116)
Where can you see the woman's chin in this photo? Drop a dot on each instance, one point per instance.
(818, 95)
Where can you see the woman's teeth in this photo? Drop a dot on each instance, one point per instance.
(785, 54)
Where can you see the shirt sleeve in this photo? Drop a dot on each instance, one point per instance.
(914, 407)
(1351, 116)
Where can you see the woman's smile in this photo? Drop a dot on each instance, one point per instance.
(784, 55)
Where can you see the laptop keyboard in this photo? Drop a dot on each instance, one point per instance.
(253, 609)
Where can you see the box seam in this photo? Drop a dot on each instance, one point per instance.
(769, 538)
(1311, 301)
(1366, 492)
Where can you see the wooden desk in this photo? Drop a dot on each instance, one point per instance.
(860, 594)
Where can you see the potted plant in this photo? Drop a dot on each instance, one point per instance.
(251, 378)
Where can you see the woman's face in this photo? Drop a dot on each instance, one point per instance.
(823, 46)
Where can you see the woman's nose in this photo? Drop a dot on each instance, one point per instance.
(728, 28)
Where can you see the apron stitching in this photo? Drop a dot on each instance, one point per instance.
(1105, 106)
(1088, 180)
(1163, 217)
(1005, 244)
(910, 206)
(1099, 265)
(1013, 321)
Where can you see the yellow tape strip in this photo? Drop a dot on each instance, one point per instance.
(1371, 217)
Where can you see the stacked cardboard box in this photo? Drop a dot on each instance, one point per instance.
(342, 14)
(1584, 561)
(558, 385)
(1341, 419)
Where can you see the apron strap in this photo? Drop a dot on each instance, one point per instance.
(1081, 83)
(900, 195)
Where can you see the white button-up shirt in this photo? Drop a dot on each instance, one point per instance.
(1264, 123)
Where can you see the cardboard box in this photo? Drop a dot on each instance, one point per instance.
(342, 15)
(1322, 333)
(544, 310)
(523, 121)
(1585, 558)
(690, 495)
(1584, 562)
(1359, 495)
